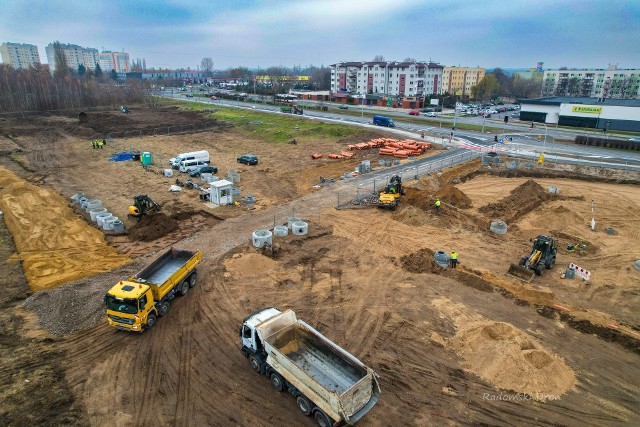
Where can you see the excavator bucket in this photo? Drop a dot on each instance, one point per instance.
(521, 273)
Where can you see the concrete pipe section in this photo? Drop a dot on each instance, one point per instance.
(117, 226)
(300, 228)
(498, 227)
(553, 190)
(637, 265)
(108, 223)
(261, 237)
(280, 230)
(95, 212)
(441, 258)
(82, 201)
(93, 204)
(76, 197)
(100, 218)
(291, 220)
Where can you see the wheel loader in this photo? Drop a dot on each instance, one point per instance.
(543, 255)
(390, 196)
(143, 205)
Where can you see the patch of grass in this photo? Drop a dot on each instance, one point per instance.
(276, 128)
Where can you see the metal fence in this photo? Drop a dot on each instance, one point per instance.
(361, 188)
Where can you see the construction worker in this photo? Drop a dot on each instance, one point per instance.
(437, 206)
(93, 143)
(104, 142)
(422, 135)
(453, 259)
(99, 144)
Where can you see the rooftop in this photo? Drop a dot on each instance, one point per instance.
(557, 100)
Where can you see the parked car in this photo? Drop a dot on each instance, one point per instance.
(634, 139)
(184, 89)
(343, 107)
(414, 113)
(427, 110)
(203, 169)
(189, 95)
(214, 98)
(248, 159)
(431, 114)
(516, 115)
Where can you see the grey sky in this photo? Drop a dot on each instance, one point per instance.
(488, 33)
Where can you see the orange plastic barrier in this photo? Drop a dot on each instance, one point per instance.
(316, 156)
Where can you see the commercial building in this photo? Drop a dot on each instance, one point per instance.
(118, 61)
(607, 114)
(595, 83)
(75, 56)
(459, 80)
(19, 55)
(403, 79)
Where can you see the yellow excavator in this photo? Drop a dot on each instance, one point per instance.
(390, 196)
(143, 205)
(543, 255)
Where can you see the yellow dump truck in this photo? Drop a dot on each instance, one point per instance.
(328, 383)
(135, 304)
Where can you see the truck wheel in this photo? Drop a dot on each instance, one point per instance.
(539, 269)
(322, 419)
(193, 279)
(551, 263)
(163, 308)
(184, 288)
(304, 405)
(255, 364)
(151, 321)
(277, 381)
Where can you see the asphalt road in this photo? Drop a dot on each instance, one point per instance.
(521, 141)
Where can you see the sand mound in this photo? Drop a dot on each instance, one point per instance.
(512, 360)
(420, 261)
(453, 196)
(152, 227)
(250, 264)
(412, 216)
(55, 245)
(522, 200)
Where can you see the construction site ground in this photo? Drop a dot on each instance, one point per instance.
(452, 347)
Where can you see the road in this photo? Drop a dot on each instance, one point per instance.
(520, 141)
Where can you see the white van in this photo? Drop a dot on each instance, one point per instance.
(202, 156)
(189, 165)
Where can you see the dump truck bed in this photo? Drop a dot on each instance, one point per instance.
(167, 270)
(335, 380)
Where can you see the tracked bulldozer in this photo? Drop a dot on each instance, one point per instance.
(143, 205)
(389, 197)
(543, 255)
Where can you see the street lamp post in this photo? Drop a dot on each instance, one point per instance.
(544, 144)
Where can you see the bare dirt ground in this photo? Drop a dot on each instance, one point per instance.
(467, 346)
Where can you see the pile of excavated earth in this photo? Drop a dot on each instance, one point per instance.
(469, 345)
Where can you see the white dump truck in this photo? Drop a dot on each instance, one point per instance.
(327, 381)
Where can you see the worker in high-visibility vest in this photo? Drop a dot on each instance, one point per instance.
(453, 259)
(437, 206)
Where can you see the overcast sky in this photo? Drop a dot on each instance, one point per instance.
(252, 33)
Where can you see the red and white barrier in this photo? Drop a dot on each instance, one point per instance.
(585, 274)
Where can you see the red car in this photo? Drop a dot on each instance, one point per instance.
(414, 113)
(214, 98)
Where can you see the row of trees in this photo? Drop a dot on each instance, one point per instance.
(499, 84)
(36, 89)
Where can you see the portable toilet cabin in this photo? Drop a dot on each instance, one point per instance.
(221, 192)
(146, 158)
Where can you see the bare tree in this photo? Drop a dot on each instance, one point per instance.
(409, 60)
(62, 67)
(206, 65)
(378, 58)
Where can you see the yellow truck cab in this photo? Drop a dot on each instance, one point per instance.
(136, 303)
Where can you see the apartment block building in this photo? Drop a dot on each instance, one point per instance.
(595, 83)
(19, 55)
(405, 79)
(460, 80)
(75, 56)
(118, 61)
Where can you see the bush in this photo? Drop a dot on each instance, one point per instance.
(603, 142)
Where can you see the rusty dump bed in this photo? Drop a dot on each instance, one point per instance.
(159, 271)
(321, 362)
